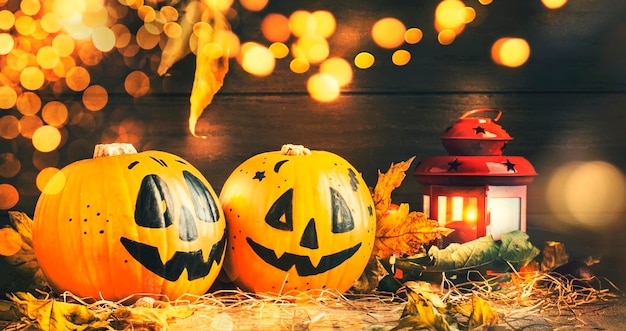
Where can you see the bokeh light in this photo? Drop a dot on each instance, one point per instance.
(46, 138)
(510, 52)
(323, 87)
(137, 84)
(339, 68)
(413, 36)
(364, 60)
(95, 97)
(388, 32)
(10, 165)
(8, 97)
(299, 65)
(44, 177)
(253, 5)
(554, 4)
(401, 57)
(450, 15)
(9, 196)
(590, 194)
(275, 28)
(257, 59)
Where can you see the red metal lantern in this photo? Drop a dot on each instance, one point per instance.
(475, 190)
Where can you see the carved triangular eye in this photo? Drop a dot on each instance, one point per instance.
(203, 203)
(280, 215)
(342, 217)
(154, 205)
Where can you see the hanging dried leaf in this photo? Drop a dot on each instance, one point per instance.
(21, 271)
(483, 315)
(386, 183)
(212, 53)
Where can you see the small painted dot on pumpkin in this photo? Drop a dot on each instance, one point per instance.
(101, 231)
(88, 206)
(97, 214)
(85, 220)
(70, 220)
(125, 261)
(85, 232)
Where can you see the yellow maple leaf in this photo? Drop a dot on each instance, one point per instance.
(386, 183)
(483, 315)
(404, 233)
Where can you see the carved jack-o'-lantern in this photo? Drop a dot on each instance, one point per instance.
(297, 220)
(129, 223)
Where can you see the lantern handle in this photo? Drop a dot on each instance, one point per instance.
(483, 110)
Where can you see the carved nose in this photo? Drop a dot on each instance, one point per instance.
(188, 231)
(309, 237)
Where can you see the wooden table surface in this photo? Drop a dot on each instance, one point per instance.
(567, 103)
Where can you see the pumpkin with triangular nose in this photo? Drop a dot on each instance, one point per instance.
(298, 220)
(127, 223)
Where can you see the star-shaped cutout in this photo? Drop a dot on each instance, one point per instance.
(454, 165)
(259, 175)
(479, 129)
(509, 165)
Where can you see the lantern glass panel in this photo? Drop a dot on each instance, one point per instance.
(505, 215)
(426, 205)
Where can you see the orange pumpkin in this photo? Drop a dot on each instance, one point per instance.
(129, 223)
(297, 220)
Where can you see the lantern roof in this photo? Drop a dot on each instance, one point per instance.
(472, 135)
(475, 146)
(474, 170)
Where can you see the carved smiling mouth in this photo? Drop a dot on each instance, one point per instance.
(171, 270)
(303, 264)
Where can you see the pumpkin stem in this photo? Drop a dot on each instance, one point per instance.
(104, 150)
(289, 149)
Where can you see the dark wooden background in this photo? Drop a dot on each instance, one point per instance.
(565, 104)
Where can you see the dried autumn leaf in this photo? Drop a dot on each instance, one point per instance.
(386, 183)
(404, 233)
(371, 277)
(420, 313)
(21, 270)
(49, 314)
(212, 53)
(483, 315)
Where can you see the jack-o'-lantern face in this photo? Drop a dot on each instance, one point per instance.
(127, 224)
(297, 223)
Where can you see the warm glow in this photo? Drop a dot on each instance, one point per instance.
(313, 48)
(325, 23)
(10, 165)
(11, 241)
(510, 52)
(339, 68)
(323, 87)
(554, 4)
(172, 30)
(9, 127)
(388, 32)
(137, 84)
(450, 15)
(257, 60)
(44, 177)
(413, 36)
(279, 50)
(301, 22)
(32, 78)
(77, 78)
(275, 28)
(588, 193)
(9, 196)
(53, 184)
(6, 43)
(364, 60)
(7, 19)
(54, 113)
(8, 97)
(446, 37)
(95, 97)
(63, 44)
(46, 138)
(401, 57)
(103, 39)
(299, 65)
(253, 5)
(47, 57)
(28, 103)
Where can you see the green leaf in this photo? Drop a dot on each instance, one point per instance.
(517, 249)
